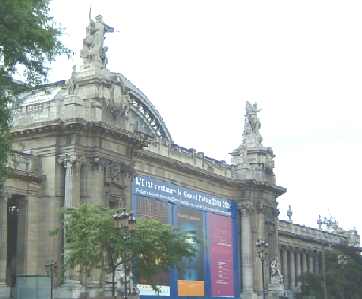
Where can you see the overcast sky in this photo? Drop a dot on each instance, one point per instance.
(199, 61)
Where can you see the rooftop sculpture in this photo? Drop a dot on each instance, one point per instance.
(93, 51)
(251, 134)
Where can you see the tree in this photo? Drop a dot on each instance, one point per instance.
(29, 39)
(343, 275)
(94, 242)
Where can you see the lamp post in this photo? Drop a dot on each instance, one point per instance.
(50, 268)
(125, 222)
(13, 210)
(262, 251)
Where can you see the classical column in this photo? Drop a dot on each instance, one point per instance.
(35, 255)
(311, 263)
(317, 263)
(298, 263)
(260, 235)
(323, 266)
(285, 267)
(304, 262)
(96, 186)
(246, 251)
(68, 181)
(3, 238)
(292, 269)
(71, 287)
(4, 289)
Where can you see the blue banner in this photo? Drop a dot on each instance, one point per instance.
(155, 188)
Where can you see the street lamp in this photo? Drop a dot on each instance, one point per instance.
(50, 269)
(126, 223)
(13, 210)
(262, 251)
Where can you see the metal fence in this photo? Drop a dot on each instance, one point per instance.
(32, 287)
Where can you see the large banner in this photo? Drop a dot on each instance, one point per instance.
(220, 255)
(152, 187)
(204, 217)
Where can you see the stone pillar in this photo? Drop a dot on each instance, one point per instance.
(21, 242)
(260, 235)
(71, 287)
(68, 203)
(323, 268)
(36, 256)
(304, 262)
(292, 269)
(317, 263)
(298, 264)
(68, 182)
(3, 239)
(96, 180)
(285, 267)
(311, 263)
(246, 253)
(4, 290)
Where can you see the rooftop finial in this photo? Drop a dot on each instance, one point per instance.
(290, 214)
(93, 51)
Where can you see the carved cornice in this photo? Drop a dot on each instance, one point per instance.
(9, 191)
(114, 169)
(261, 186)
(80, 125)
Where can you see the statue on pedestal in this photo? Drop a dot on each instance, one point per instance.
(276, 285)
(93, 51)
(276, 275)
(252, 125)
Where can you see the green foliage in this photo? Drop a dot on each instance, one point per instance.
(28, 40)
(94, 242)
(312, 285)
(28, 37)
(4, 131)
(342, 280)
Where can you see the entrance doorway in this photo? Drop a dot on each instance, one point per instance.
(16, 210)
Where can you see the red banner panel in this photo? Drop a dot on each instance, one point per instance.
(220, 255)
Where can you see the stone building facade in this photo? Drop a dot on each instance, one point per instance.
(84, 140)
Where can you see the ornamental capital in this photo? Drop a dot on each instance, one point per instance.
(68, 159)
(246, 207)
(260, 207)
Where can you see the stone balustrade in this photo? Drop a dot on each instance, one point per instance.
(24, 162)
(309, 233)
(191, 157)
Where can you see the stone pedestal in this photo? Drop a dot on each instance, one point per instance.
(4, 291)
(276, 286)
(275, 290)
(248, 295)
